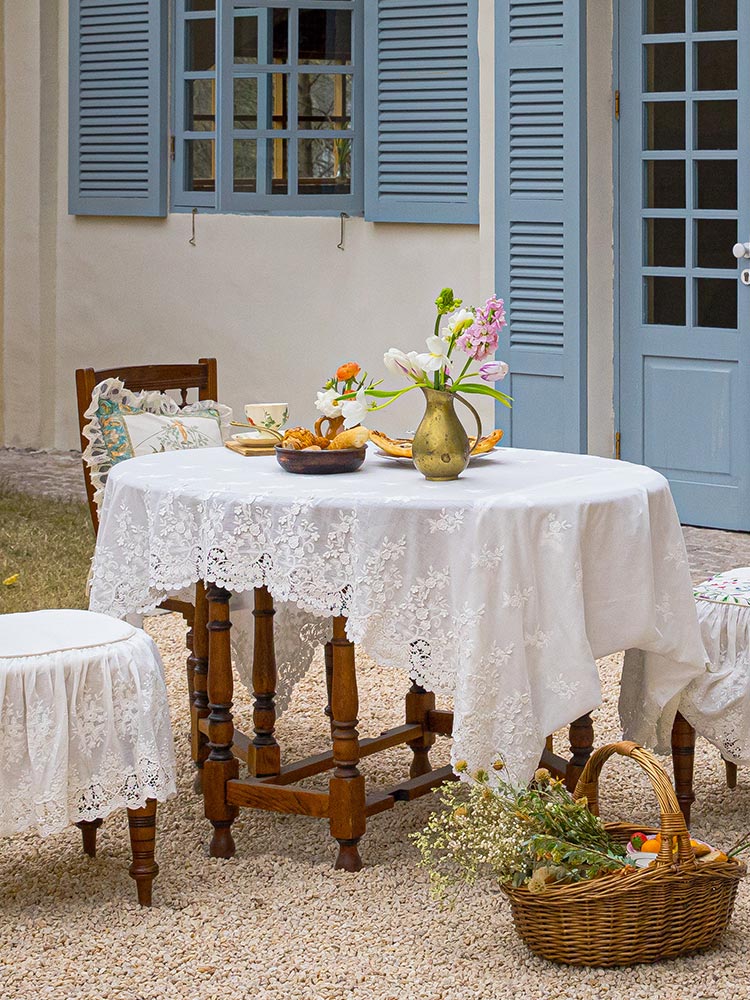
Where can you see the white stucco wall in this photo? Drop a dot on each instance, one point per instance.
(273, 298)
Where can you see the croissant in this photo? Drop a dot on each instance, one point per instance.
(301, 438)
(357, 437)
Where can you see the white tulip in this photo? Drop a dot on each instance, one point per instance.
(355, 410)
(326, 403)
(437, 357)
(399, 363)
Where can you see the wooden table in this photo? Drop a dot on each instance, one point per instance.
(218, 748)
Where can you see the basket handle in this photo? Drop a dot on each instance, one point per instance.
(672, 821)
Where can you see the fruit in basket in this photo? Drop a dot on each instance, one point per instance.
(637, 841)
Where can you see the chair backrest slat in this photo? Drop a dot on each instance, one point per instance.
(159, 378)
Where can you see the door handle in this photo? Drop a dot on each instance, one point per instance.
(741, 250)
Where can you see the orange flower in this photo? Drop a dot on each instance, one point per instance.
(348, 371)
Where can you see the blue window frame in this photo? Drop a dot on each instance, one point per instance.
(268, 106)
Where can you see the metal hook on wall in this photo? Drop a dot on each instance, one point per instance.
(343, 217)
(191, 241)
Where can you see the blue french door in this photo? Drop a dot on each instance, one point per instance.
(684, 202)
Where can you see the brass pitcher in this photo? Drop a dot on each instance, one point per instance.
(440, 449)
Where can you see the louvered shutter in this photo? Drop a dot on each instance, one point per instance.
(422, 111)
(541, 218)
(118, 107)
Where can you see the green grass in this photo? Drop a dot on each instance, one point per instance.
(49, 544)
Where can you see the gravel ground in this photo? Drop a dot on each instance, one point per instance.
(277, 922)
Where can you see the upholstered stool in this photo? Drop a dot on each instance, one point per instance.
(718, 704)
(84, 730)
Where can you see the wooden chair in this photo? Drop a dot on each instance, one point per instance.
(201, 377)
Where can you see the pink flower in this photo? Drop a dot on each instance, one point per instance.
(493, 371)
(482, 338)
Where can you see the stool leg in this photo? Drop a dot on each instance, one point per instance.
(347, 786)
(731, 772)
(142, 827)
(581, 748)
(88, 829)
(221, 765)
(265, 756)
(199, 707)
(683, 759)
(418, 703)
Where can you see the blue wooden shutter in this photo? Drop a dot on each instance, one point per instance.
(422, 101)
(541, 218)
(118, 107)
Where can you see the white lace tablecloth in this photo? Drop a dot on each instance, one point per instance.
(499, 589)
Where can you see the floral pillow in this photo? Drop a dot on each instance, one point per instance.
(123, 424)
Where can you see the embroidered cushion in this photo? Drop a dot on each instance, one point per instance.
(123, 424)
(726, 588)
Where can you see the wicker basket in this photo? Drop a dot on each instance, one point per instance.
(670, 909)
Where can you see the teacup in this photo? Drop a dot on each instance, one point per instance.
(267, 417)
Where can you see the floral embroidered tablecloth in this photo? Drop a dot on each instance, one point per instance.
(499, 589)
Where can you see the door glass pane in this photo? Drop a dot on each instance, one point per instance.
(716, 125)
(280, 100)
(663, 16)
(665, 242)
(324, 101)
(200, 106)
(665, 184)
(716, 183)
(280, 39)
(325, 37)
(246, 39)
(665, 67)
(200, 165)
(716, 65)
(714, 239)
(715, 15)
(665, 125)
(665, 301)
(325, 166)
(201, 44)
(201, 5)
(278, 165)
(716, 302)
(246, 102)
(245, 165)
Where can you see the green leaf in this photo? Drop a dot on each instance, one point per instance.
(484, 390)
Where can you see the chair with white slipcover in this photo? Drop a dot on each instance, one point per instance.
(718, 704)
(84, 730)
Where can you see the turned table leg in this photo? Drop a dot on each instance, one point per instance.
(730, 769)
(328, 658)
(221, 765)
(265, 755)
(683, 759)
(347, 786)
(581, 748)
(144, 869)
(418, 703)
(199, 707)
(88, 830)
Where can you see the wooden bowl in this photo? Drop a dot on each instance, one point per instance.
(320, 463)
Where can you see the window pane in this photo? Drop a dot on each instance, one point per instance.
(280, 100)
(201, 5)
(716, 181)
(665, 67)
(200, 44)
(715, 15)
(716, 125)
(324, 101)
(200, 106)
(246, 102)
(665, 184)
(714, 239)
(325, 166)
(246, 39)
(200, 165)
(278, 166)
(665, 301)
(245, 165)
(665, 125)
(325, 37)
(716, 63)
(665, 242)
(280, 39)
(716, 304)
(663, 16)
